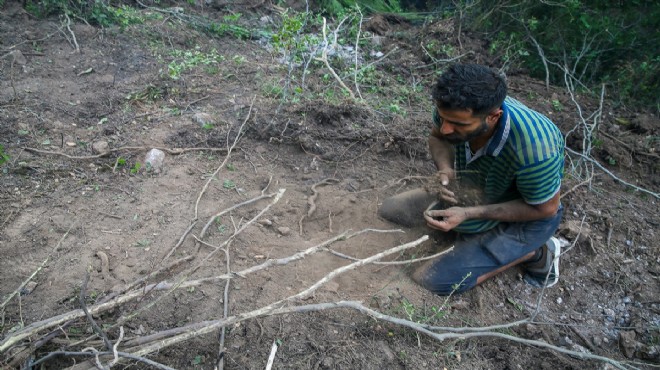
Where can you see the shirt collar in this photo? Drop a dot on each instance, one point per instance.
(497, 141)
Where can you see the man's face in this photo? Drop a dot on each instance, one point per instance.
(459, 126)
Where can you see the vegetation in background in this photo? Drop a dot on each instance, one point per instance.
(95, 12)
(595, 41)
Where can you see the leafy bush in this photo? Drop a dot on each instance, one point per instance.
(596, 41)
(95, 12)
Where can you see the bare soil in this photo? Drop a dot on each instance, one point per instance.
(72, 208)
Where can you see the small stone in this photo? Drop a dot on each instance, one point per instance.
(202, 119)
(608, 312)
(154, 160)
(266, 222)
(70, 143)
(18, 57)
(627, 343)
(100, 147)
(559, 300)
(28, 288)
(284, 231)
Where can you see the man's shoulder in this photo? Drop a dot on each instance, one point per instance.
(533, 136)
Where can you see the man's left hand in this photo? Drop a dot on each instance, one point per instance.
(445, 219)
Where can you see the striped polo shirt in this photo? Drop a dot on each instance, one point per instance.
(523, 159)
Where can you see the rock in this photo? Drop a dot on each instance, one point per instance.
(266, 222)
(17, 57)
(100, 147)
(154, 160)
(283, 230)
(387, 351)
(609, 312)
(202, 119)
(28, 288)
(650, 353)
(627, 343)
(572, 228)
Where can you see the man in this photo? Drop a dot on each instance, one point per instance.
(515, 156)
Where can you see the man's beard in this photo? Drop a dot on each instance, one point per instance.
(455, 138)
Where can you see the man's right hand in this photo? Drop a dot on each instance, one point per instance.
(441, 180)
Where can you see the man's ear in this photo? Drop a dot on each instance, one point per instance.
(494, 116)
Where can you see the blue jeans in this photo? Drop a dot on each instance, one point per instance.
(474, 255)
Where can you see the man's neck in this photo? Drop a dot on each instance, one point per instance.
(481, 141)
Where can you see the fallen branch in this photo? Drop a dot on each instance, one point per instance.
(174, 151)
(211, 326)
(229, 149)
(193, 269)
(392, 263)
(118, 300)
(597, 164)
(324, 57)
(18, 290)
(91, 354)
(271, 357)
(311, 201)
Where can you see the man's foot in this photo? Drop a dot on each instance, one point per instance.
(547, 266)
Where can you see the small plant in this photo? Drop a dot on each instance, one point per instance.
(231, 167)
(185, 60)
(557, 105)
(3, 156)
(143, 243)
(121, 161)
(136, 168)
(228, 184)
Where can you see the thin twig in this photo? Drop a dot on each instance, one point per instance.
(393, 263)
(324, 59)
(73, 35)
(95, 326)
(271, 356)
(597, 164)
(175, 151)
(57, 246)
(92, 354)
(181, 239)
(229, 150)
(211, 326)
(118, 300)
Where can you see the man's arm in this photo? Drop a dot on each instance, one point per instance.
(443, 155)
(512, 211)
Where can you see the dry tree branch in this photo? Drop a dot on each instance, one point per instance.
(95, 326)
(229, 149)
(211, 326)
(73, 35)
(190, 271)
(600, 166)
(181, 239)
(173, 151)
(324, 57)
(271, 356)
(392, 263)
(227, 210)
(118, 300)
(357, 43)
(90, 354)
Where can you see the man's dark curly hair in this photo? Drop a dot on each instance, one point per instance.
(470, 86)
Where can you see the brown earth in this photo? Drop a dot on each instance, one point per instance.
(63, 213)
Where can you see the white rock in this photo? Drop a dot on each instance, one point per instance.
(154, 160)
(100, 147)
(202, 119)
(283, 230)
